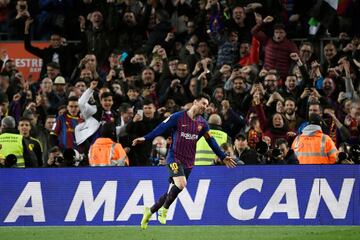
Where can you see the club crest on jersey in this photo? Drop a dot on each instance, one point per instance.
(199, 128)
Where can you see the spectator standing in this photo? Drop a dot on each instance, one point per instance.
(56, 52)
(32, 146)
(144, 121)
(64, 128)
(277, 48)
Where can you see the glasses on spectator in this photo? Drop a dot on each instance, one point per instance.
(182, 69)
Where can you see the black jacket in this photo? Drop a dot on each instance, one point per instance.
(249, 156)
(140, 154)
(66, 56)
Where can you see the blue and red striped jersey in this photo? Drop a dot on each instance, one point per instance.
(185, 134)
(64, 129)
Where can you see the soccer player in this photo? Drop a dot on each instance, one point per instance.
(187, 127)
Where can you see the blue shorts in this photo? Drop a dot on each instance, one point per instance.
(176, 170)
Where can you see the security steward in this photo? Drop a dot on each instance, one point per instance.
(105, 151)
(313, 146)
(11, 141)
(204, 154)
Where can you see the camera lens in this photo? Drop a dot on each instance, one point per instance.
(59, 159)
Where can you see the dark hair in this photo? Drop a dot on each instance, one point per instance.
(72, 99)
(291, 75)
(50, 116)
(241, 136)
(280, 141)
(53, 65)
(253, 120)
(108, 130)
(134, 88)
(290, 99)
(105, 95)
(124, 107)
(25, 119)
(315, 103)
(147, 101)
(203, 95)
(279, 26)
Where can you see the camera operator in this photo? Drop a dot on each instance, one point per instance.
(159, 151)
(348, 154)
(56, 158)
(282, 153)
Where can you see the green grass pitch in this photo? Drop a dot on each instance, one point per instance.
(182, 233)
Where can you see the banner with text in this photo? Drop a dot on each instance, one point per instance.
(29, 65)
(246, 195)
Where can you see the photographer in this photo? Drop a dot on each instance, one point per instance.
(56, 158)
(159, 151)
(282, 153)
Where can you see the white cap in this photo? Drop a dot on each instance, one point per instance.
(59, 80)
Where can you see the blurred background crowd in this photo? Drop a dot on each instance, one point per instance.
(114, 69)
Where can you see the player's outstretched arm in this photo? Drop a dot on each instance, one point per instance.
(229, 162)
(138, 140)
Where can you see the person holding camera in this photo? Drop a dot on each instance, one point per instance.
(159, 151)
(56, 158)
(283, 154)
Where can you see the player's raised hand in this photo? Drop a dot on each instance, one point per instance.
(138, 140)
(229, 162)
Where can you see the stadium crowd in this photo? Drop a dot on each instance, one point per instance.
(131, 64)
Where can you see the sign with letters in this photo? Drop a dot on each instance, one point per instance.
(215, 195)
(28, 64)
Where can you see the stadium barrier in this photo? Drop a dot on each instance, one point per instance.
(246, 195)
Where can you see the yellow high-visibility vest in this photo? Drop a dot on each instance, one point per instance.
(204, 154)
(12, 144)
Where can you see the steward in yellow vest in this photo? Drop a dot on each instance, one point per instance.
(12, 143)
(204, 154)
